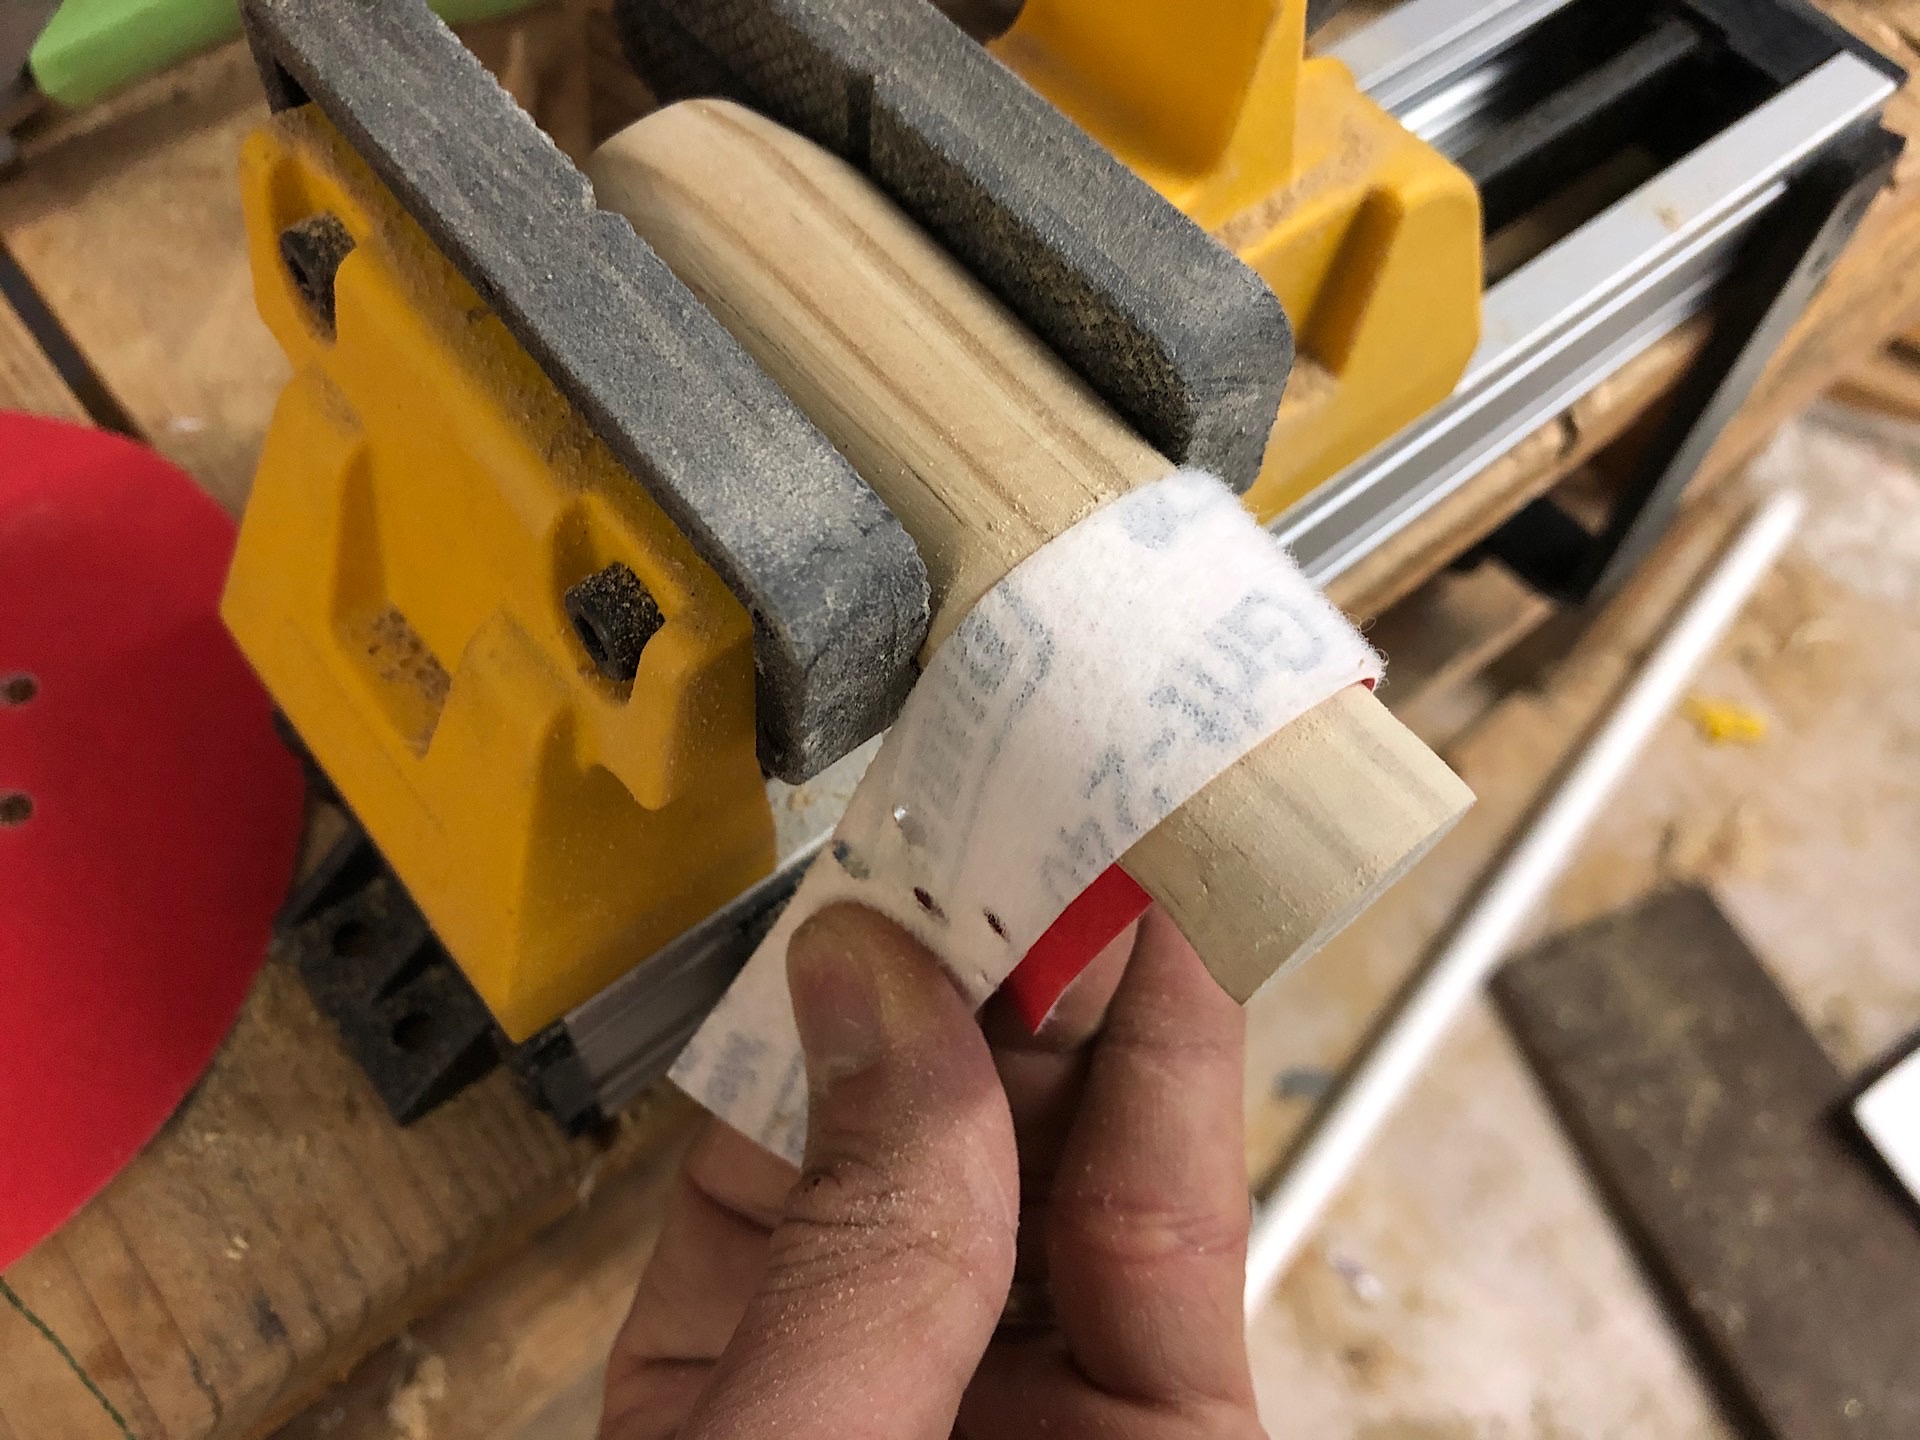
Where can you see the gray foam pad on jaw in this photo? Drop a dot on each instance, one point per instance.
(1180, 337)
(837, 592)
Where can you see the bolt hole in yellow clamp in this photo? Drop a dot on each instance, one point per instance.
(530, 688)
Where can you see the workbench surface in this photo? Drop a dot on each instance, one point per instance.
(280, 1228)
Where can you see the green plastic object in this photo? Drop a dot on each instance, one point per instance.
(93, 47)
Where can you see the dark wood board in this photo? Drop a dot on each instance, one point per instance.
(1710, 1116)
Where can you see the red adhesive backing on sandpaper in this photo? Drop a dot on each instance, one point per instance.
(1085, 928)
(138, 891)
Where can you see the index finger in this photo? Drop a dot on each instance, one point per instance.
(1148, 1236)
(1042, 1073)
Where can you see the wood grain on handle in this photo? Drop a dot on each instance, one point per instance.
(986, 446)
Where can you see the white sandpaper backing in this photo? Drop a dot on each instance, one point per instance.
(1090, 694)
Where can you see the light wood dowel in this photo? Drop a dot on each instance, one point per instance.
(986, 446)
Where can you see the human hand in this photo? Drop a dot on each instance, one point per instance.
(1094, 1172)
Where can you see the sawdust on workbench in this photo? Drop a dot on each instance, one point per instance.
(1862, 478)
(410, 1409)
(1695, 849)
(1790, 643)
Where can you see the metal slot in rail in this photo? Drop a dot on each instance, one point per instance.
(1426, 60)
(1581, 310)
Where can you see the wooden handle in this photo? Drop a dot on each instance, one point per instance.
(986, 446)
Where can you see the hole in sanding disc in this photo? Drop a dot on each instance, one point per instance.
(18, 689)
(16, 808)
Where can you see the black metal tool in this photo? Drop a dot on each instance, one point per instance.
(1778, 273)
(1696, 62)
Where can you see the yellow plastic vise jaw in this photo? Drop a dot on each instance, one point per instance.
(425, 501)
(1368, 235)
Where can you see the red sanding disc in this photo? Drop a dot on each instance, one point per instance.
(149, 814)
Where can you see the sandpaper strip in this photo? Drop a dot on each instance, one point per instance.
(1106, 680)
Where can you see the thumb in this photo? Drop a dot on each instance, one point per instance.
(888, 1272)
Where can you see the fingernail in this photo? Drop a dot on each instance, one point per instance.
(837, 1003)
